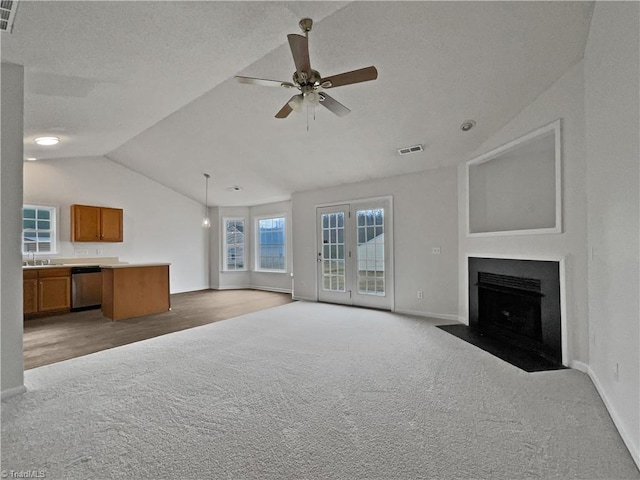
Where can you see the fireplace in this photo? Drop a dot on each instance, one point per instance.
(509, 307)
(517, 302)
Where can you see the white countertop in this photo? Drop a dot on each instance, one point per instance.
(135, 265)
(64, 265)
(111, 265)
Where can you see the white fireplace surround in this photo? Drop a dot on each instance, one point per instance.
(563, 301)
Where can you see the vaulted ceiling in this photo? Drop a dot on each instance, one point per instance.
(150, 85)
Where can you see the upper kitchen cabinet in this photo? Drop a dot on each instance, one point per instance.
(111, 224)
(96, 224)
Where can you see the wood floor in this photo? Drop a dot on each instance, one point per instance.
(53, 339)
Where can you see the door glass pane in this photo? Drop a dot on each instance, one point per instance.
(333, 271)
(370, 252)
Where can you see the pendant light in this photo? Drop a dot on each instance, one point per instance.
(206, 223)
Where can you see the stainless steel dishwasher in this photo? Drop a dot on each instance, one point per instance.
(86, 288)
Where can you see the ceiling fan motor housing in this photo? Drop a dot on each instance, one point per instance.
(313, 78)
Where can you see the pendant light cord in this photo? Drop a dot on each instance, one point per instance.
(206, 190)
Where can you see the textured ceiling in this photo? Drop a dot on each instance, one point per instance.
(150, 85)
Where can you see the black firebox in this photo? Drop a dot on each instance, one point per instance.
(510, 307)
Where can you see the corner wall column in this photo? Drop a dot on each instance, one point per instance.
(11, 171)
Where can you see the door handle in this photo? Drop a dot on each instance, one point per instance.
(319, 257)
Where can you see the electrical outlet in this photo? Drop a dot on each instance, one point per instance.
(99, 251)
(420, 294)
(435, 250)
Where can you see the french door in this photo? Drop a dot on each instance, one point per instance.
(354, 262)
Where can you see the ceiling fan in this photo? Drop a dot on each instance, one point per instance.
(310, 83)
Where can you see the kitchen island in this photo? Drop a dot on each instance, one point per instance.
(134, 290)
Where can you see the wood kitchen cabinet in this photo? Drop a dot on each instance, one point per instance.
(46, 291)
(30, 292)
(130, 291)
(96, 224)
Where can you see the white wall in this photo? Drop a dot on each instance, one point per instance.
(613, 151)
(424, 216)
(160, 225)
(11, 106)
(564, 99)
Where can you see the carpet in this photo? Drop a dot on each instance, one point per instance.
(312, 391)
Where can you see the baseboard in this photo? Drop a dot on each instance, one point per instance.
(253, 287)
(633, 449)
(12, 392)
(232, 287)
(204, 289)
(305, 299)
(440, 316)
(270, 289)
(580, 366)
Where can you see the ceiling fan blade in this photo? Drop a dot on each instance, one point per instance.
(263, 82)
(286, 109)
(356, 76)
(300, 51)
(333, 105)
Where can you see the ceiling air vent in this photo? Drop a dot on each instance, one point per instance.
(408, 150)
(7, 14)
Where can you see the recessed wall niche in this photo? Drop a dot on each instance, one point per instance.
(515, 189)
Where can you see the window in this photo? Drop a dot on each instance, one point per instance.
(38, 229)
(233, 244)
(271, 244)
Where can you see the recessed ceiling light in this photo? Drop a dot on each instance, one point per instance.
(47, 141)
(467, 125)
(235, 188)
(31, 159)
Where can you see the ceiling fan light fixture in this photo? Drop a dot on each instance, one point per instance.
(312, 98)
(296, 103)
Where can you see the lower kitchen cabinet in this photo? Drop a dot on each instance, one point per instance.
(30, 292)
(130, 291)
(46, 291)
(54, 294)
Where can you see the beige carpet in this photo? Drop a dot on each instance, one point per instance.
(308, 391)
